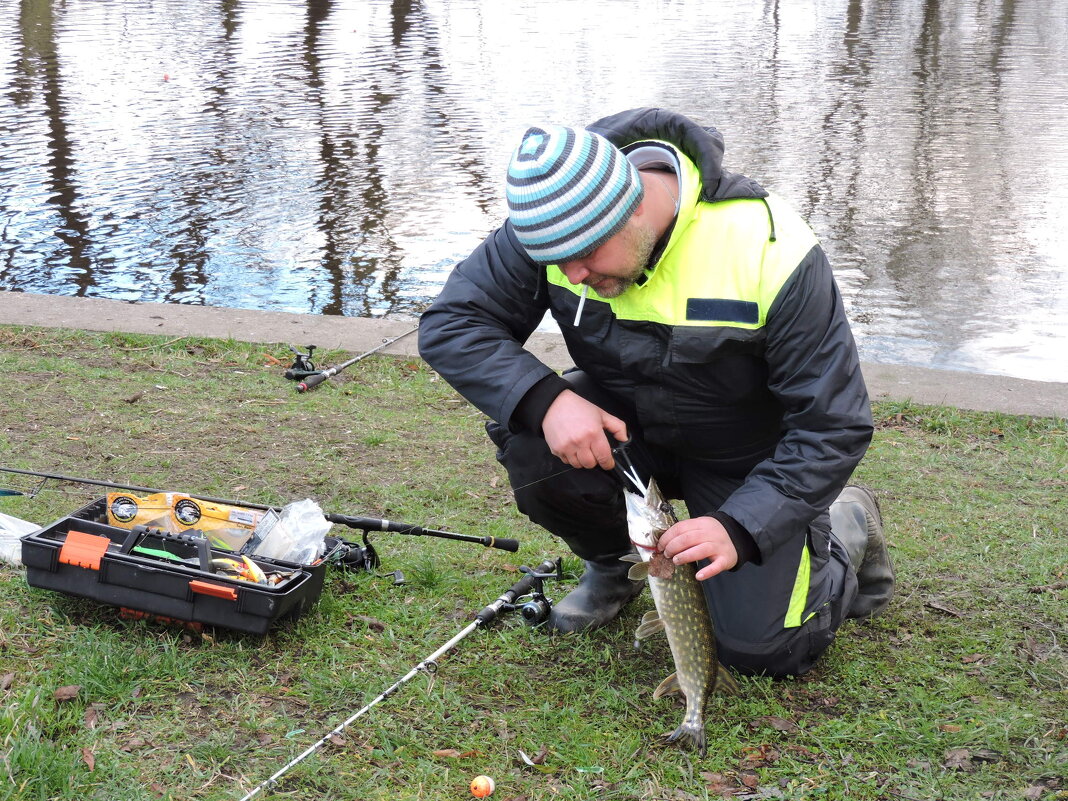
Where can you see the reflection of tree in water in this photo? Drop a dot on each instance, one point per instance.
(39, 57)
(956, 199)
(354, 202)
(199, 190)
(837, 168)
(895, 198)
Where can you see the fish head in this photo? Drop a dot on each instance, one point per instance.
(648, 516)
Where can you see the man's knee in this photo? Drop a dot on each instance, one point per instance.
(793, 654)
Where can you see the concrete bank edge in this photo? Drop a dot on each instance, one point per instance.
(973, 391)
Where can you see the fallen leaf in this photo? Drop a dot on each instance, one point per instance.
(779, 724)
(88, 758)
(537, 762)
(91, 718)
(538, 758)
(958, 759)
(372, 623)
(6, 681)
(451, 753)
(952, 728)
(801, 753)
(1060, 585)
(759, 757)
(972, 658)
(337, 740)
(749, 779)
(67, 693)
(720, 784)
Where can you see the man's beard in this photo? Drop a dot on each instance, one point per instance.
(640, 242)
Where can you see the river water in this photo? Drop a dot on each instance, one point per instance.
(339, 156)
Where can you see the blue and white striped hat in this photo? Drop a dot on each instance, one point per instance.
(569, 191)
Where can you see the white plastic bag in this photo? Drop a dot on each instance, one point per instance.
(297, 535)
(11, 530)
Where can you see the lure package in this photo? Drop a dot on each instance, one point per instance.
(225, 526)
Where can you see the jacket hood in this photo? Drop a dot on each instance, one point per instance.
(702, 145)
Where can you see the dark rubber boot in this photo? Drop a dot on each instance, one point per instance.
(602, 591)
(857, 523)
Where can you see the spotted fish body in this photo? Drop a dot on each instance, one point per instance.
(681, 613)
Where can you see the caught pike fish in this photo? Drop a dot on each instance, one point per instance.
(681, 613)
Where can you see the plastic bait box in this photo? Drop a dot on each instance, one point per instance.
(151, 572)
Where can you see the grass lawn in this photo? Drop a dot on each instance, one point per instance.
(959, 692)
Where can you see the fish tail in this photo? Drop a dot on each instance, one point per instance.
(689, 734)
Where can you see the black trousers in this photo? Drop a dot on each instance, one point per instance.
(773, 618)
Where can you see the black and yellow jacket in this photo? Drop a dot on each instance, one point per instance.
(735, 350)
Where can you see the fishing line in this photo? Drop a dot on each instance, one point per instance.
(544, 478)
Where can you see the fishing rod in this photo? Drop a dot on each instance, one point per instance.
(317, 378)
(374, 524)
(530, 584)
(365, 524)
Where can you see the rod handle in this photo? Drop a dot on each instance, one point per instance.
(374, 524)
(313, 381)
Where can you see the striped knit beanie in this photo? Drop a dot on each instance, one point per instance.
(569, 191)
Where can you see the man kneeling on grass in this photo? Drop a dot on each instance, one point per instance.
(705, 325)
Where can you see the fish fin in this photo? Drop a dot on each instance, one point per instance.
(651, 624)
(725, 682)
(639, 571)
(669, 686)
(631, 557)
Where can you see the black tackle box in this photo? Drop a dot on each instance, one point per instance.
(82, 555)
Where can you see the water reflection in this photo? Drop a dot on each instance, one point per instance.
(337, 156)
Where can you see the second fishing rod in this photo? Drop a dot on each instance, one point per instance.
(364, 524)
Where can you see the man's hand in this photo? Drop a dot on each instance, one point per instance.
(700, 538)
(575, 429)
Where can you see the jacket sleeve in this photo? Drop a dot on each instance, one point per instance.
(473, 333)
(814, 371)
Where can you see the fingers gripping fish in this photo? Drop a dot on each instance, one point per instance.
(681, 613)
